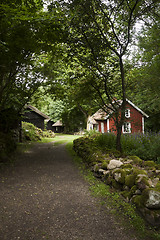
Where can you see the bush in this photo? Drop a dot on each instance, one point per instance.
(32, 133)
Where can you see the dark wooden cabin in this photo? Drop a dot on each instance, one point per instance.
(34, 116)
(58, 127)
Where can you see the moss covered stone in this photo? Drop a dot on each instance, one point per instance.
(142, 182)
(138, 201)
(104, 164)
(149, 164)
(136, 160)
(137, 171)
(130, 180)
(151, 198)
(119, 175)
(116, 185)
(128, 165)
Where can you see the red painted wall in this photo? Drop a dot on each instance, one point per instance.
(135, 119)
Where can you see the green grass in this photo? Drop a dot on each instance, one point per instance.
(125, 212)
(46, 140)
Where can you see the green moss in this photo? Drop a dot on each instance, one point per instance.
(136, 160)
(143, 181)
(128, 165)
(122, 173)
(138, 201)
(158, 186)
(126, 194)
(149, 164)
(116, 185)
(137, 171)
(104, 165)
(130, 180)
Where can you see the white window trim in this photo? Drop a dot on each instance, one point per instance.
(128, 113)
(108, 125)
(102, 127)
(143, 125)
(128, 128)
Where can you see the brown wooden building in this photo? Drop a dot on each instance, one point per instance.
(34, 116)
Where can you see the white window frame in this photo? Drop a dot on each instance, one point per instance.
(127, 113)
(128, 128)
(102, 127)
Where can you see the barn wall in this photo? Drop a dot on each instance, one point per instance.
(34, 118)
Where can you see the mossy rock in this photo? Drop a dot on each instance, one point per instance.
(127, 165)
(116, 185)
(130, 180)
(138, 201)
(104, 165)
(142, 182)
(151, 198)
(137, 171)
(108, 179)
(149, 164)
(136, 160)
(119, 176)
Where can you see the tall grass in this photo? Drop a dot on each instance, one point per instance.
(145, 146)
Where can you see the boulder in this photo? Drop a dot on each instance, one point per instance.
(151, 199)
(119, 175)
(114, 164)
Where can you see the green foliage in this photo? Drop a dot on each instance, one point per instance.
(32, 133)
(106, 141)
(138, 146)
(146, 146)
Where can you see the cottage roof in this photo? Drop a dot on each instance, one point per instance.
(37, 111)
(57, 124)
(102, 115)
(99, 115)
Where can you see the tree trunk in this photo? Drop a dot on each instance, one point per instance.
(118, 139)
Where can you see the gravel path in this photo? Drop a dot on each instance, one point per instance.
(43, 196)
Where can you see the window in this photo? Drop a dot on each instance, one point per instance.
(126, 128)
(127, 113)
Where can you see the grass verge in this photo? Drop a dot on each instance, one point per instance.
(125, 212)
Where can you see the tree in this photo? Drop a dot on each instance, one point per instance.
(145, 75)
(27, 32)
(100, 33)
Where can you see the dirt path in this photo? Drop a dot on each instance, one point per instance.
(43, 196)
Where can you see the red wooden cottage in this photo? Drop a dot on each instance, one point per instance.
(103, 122)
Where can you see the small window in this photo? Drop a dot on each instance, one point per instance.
(127, 113)
(126, 127)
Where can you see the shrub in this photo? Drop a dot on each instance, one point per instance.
(32, 133)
